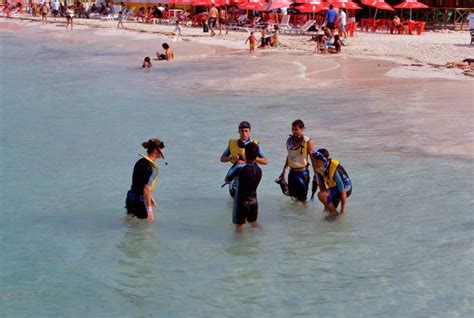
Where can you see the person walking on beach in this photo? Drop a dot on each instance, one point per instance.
(140, 202)
(223, 21)
(235, 151)
(342, 23)
(120, 19)
(213, 14)
(298, 147)
(248, 177)
(252, 42)
(44, 12)
(69, 16)
(334, 183)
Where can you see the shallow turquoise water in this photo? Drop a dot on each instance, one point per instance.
(71, 126)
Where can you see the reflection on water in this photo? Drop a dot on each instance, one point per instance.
(137, 277)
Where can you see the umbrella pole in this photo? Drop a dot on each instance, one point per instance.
(375, 16)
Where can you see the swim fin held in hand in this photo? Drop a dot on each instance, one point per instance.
(283, 185)
(313, 190)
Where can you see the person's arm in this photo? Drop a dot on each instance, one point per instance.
(282, 175)
(341, 189)
(226, 157)
(322, 185)
(310, 151)
(233, 173)
(149, 202)
(261, 158)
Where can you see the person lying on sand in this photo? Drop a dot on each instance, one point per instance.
(464, 64)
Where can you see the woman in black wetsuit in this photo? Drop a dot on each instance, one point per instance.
(140, 201)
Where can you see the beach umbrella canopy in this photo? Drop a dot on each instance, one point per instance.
(196, 3)
(277, 4)
(378, 4)
(251, 5)
(312, 7)
(411, 4)
(345, 4)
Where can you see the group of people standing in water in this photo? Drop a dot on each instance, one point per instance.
(246, 154)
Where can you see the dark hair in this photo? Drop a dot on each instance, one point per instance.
(153, 144)
(147, 59)
(298, 123)
(324, 152)
(251, 151)
(244, 124)
(331, 6)
(165, 46)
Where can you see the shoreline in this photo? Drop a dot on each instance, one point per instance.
(418, 59)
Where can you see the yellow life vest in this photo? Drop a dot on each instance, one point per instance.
(298, 158)
(155, 166)
(234, 148)
(328, 176)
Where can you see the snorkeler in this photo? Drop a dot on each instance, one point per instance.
(299, 147)
(235, 151)
(334, 182)
(248, 177)
(140, 201)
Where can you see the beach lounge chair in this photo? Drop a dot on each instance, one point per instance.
(240, 22)
(130, 15)
(285, 23)
(304, 28)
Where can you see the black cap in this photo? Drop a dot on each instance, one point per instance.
(244, 124)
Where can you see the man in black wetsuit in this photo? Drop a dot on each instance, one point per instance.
(245, 200)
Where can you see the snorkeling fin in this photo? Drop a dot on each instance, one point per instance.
(283, 185)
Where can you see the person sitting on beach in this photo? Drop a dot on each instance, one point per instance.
(321, 47)
(249, 175)
(252, 42)
(146, 62)
(334, 183)
(398, 24)
(167, 56)
(337, 45)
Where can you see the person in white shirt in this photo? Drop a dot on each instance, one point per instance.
(342, 23)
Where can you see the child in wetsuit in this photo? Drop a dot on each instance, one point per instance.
(245, 200)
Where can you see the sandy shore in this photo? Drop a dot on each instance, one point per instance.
(417, 56)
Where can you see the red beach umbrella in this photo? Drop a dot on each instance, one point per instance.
(277, 4)
(345, 4)
(251, 5)
(312, 7)
(411, 4)
(378, 4)
(196, 3)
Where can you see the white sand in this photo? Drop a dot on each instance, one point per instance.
(430, 48)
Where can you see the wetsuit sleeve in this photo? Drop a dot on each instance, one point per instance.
(339, 183)
(234, 172)
(226, 152)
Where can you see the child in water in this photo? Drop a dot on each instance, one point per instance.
(252, 43)
(146, 62)
(120, 20)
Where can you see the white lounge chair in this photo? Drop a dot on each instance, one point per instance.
(304, 28)
(285, 23)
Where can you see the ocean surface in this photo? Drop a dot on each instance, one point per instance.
(73, 117)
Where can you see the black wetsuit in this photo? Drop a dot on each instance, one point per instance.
(135, 202)
(245, 202)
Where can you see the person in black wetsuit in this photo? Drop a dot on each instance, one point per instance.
(140, 201)
(245, 200)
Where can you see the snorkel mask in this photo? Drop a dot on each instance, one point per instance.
(319, 156)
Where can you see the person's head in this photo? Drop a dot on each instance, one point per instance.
(120, 12)
(331, 6)
(251, 33)
(321, 157)
(297, 128)
(251, 151)
(154, 147)
(165, 46)
(147, 59)
(244, 130)
(336, 38)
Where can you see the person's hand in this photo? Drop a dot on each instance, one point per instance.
(151, 217)
(234, 158)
